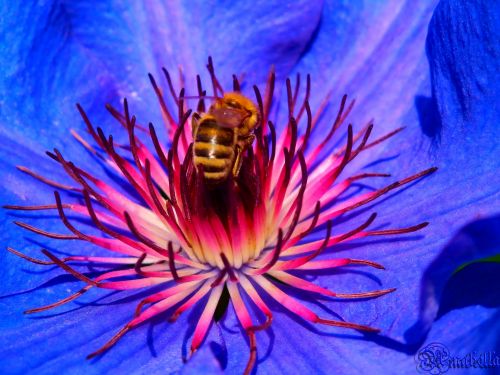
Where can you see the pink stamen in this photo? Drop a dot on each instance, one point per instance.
(206, 318)
(164, 110)
(202, 292)
(46, 180)
(57, 236)
(60, 302)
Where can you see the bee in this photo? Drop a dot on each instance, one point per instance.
(222, 135)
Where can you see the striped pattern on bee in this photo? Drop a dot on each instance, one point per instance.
(214, 149)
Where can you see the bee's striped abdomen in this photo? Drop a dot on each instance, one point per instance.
(213, 150)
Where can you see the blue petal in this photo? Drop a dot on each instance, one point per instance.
(477, 340)
(374, 52)
(465, 188)
(472, 285)
(203, 362)
(59, 340)
(466, 84)
(62, 52)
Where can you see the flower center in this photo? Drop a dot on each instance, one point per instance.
(227, 224)
(219, 227)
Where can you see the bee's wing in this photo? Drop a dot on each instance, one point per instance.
(229, 117)
(195, 120)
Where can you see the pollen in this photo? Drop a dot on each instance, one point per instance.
(247, 236)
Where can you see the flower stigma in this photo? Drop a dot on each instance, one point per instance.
(228, 212)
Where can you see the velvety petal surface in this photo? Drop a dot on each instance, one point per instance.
(57, 53)
(477, 341)
(439, 132)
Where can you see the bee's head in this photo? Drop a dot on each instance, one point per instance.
(239, 102)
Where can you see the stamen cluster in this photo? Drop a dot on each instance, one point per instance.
(249, 236)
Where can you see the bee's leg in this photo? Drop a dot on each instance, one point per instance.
(237, 161)
(247, 142)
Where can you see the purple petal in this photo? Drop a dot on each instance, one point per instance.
(374, 53)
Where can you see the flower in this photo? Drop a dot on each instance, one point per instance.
(372, 69)
(251, 230)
